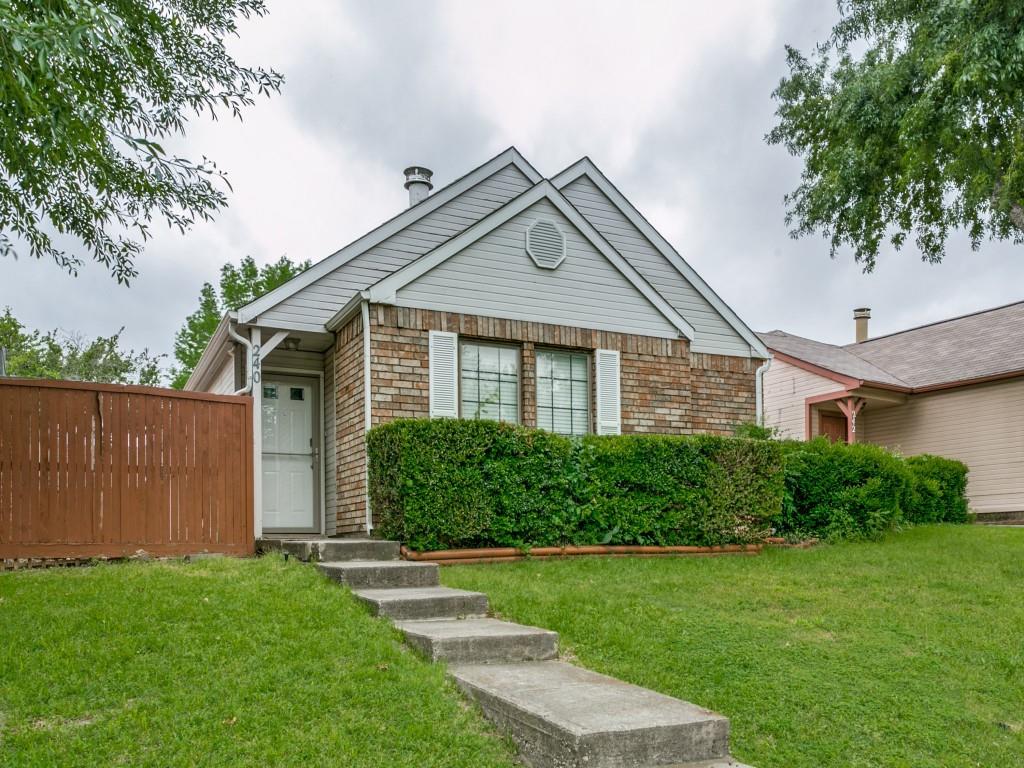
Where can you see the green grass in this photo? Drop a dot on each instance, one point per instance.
(907, 652)
(217, 663)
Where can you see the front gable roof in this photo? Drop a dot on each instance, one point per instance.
(385, 291)
(510, 156)
(585, 167)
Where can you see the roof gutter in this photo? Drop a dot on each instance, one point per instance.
(759, 390)
(245, 390)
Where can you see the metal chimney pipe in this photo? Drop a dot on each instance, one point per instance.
(861, 315)
(417, 181)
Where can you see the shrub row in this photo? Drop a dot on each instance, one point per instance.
(837, 491)
(452, 483)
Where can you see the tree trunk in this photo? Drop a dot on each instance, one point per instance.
(1017, 216)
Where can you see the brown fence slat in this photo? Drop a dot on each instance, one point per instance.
(92, 470)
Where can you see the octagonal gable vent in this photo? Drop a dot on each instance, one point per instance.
(545, 243)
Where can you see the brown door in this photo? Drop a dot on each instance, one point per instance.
(832, 426)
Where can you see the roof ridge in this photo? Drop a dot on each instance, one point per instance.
(931, 324)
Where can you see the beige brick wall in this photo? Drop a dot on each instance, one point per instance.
(665, 388)
(350, 428)
(722, 390)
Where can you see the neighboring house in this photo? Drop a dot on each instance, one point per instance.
(953, 388)
(505, 295)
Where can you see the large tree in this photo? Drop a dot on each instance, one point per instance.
(68, 355)
(238, 286)
(88, 91)
(908, 119)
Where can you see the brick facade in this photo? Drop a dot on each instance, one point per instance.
(350, 429)
(664, 387)
(722, 392)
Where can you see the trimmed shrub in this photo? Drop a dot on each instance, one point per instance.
(666, 490)
(939, 490)
(839, 491)
(444, 483)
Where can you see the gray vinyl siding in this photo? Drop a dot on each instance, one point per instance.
(713, 334)
(495, 277)
(223, 383)
(311, 307)
(289, 360)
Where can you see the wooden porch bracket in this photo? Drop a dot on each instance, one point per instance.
(851, 406)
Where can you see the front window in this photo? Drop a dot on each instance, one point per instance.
(563, 392)
(490, 382)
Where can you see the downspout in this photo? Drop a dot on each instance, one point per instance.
(248, 358)
(759, 390)
(364, 308)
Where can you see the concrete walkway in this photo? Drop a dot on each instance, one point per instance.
(560, 715)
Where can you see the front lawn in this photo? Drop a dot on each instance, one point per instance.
(907, 652)
(217, 663)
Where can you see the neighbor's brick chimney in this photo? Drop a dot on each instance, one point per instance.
(861, 315)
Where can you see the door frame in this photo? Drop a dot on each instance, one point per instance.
(319, 495)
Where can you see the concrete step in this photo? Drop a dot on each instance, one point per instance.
(333, 550)
(423, 602)
(563, 716)
(479, 641)
(378, 574)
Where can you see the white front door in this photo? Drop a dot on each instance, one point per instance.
(291, 458)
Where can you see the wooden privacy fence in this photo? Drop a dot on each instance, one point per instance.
(103, 470)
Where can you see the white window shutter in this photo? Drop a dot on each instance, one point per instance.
(444, 375)
(609, 406)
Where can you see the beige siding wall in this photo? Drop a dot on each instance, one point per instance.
(786, 389)
(983, 426)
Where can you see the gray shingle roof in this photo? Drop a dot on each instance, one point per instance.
(982, 344)
(828, 356)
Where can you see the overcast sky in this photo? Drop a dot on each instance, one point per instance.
(671, 100)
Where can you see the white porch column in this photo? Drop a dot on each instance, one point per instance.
(255, 337)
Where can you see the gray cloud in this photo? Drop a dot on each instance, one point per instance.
(671, 100)
(394, 98)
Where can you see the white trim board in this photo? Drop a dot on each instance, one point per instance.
(385, 291)
(586, 167)
(431, 203)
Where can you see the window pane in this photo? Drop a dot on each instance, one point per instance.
(579, 367)
(544, 418)
(580, 422)
(488, 390)
(489, 359)
(543, 365)
(560, 368)
(579, 394)
(510, 413)
(544, 393)
(509, 361)
(562, 421)
(489, 410)
(469, 409)
(509, 392)
(470, 357)
(561, 394)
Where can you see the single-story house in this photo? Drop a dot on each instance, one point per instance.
(548, 302)
(953, 388)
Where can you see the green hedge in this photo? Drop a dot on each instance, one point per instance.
(839, 491)
(939, 494)
(458, 483)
